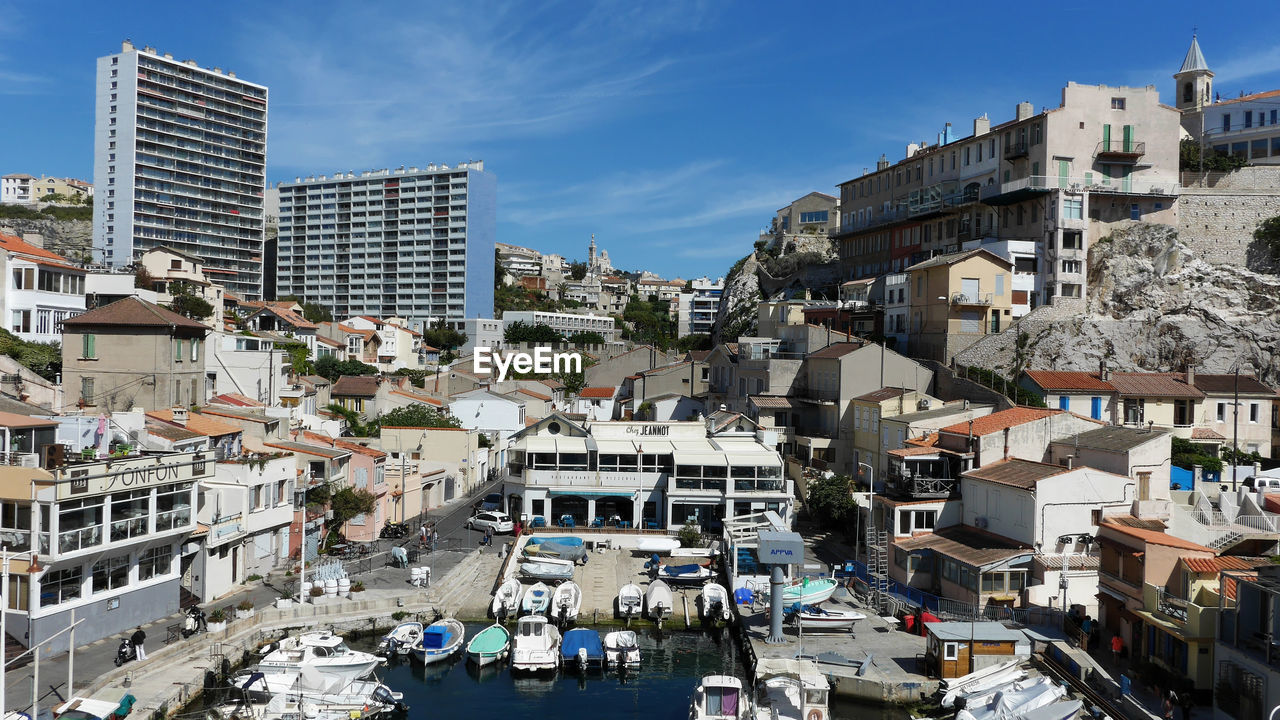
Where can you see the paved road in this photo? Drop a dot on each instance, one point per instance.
(97, 658)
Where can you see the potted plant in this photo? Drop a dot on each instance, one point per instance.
(284, 601)
(317, 594)
(244, 609)
(217, 620)
(357, 586)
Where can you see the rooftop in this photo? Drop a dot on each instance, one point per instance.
(1069, 380)
(1134, 384)
(968, 545)
(882, 394)
(835, 350)
(997, 421)
(936, 413)
(597, 392)
(355, 386)
(954, 258)
(1112, 438)
(1016, 472)
(308, 449)
(132, 312)
(16, 422)
(1154, 537)
(197, 423)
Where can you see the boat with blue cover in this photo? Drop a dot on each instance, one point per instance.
(685, 574)
(563, 540)
(440, 641)
(582, 648)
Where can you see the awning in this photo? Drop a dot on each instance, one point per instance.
(592, 493)
(539, 445)
(620, 447)
(1104, 590)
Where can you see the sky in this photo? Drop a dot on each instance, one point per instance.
(671, 130)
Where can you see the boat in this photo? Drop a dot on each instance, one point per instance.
(719, 697)
(400, 639)
(566, 601)
(960, 683)
(791, 690)
(560, 539)
(821, 619)
(489, 645)
(1062, 710)
(983, 697)
(630, 600)
(657, 545)
(367, 696)
(536, 645)
(321, 650)
(685, 574)
(808, 591)
(981, 681)
(572, 553)
(506, 602)
(621, 649)
(542, 570)
(581, 648)
(536, 599)
(281, 707)
(1016, 701)
(716, 607)
(440, 641)
(658, 600)
(83, 708)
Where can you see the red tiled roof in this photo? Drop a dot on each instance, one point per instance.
(327, 341)
(597, 392)
(132, 312)
(772, 402)
(1065, 380)
(1206, 434)
(915, 450)
(1015, 472)
(835, 350)
(359, 449)
(532, 394)
(235, 399)
(1154, 537)
(1248, 98)
(198, 423)
(998, 421)
(1213, 565)
(419, 398)
(355, 386)
(1153, 385)
(35, 254)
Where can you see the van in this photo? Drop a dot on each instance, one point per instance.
(1262, 484)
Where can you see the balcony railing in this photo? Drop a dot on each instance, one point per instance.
(1171, 605)
(1016, 150)
(1120, 150)
(976, 299)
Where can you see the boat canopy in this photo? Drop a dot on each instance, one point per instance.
(436, 638)
(581, 638)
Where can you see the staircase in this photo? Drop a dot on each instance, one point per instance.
(878, 566)
(187, 599)
(13, 647)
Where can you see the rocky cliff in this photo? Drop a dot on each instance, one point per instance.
(1153, 304)
(69, 238)
(791, 266)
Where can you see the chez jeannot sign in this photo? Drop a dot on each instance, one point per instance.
(134, 474)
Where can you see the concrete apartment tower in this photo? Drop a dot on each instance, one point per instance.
(179, 161)
(411, 243)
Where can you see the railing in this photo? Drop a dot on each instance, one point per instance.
(965, 299)
(1171, 605)
(20, 459)
(1016, 149)
(1121, 148)
(1090, 183)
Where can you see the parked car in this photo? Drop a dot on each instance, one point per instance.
(499, 521)
(492, 501)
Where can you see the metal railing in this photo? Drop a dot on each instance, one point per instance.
(1121, 147)
(976, 299)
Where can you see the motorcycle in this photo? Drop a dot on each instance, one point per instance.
(393, 530)
(195, 622)
(126, 652)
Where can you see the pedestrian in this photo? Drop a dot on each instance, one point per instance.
(137, 639)
(435, 539)
(1116, 646)
(422, 536)
(1166, 707)
(1086, 630)
(488, 535)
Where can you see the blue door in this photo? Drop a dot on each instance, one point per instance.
(1064, 402)
(1095, 409)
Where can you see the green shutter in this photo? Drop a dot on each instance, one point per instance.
(88, 345)
(177, 354)
(1128, 138)
(1064, 173)
(1106, 138)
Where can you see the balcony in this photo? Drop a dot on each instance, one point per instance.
(1015, 150)
(1120, 151)
(967, 299)
(922, 485)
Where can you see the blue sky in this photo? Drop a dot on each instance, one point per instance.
(670, 130)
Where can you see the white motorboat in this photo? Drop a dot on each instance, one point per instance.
(544, 570)
(715, 605)
(440, 641)
(630, 601)
(322, 651)
(536, 599)
(657, 545)
(566, 602)
(536, 645)
(280, 707)
(367, 696)
(1015, 701)
(720, 697)
(506, 602)
(659, 602)
(791, 690)
(1062, 710)
(621, 649)
(821, 619)
(962, 682)
(981, 682)
(1023, 686)
(400, 639)
(691, 574)
(808, 591)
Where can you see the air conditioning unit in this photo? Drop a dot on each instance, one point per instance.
(923, 403)
(980, 523)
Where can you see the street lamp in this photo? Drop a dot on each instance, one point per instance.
(871, 496)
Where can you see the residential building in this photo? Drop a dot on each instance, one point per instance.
(488, 412)
(367, 473)
(898, 431)
(751, 367)
(1247, 126)
(518, 261)
(1244, 652)
(481, 332)
(41, 290)
(398, 346)
(612, 371)
(15, 188)
(427, 467)
(248, 365)
(595, 403)
(956, 300)
(566, 324)
(698, 308)
(1143, 455)
(680, 379)
(667, 290)
(224, 439)
(258, 428)
(69, 188)
(1057, 179)
(645, 474)
(248, 507)
(869, 410)
(106, 550)
(814, 214)
(133, 353)
(411, 243)
(173, 272)
(180, 161)
(1080, 392)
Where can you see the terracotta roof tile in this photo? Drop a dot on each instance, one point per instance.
(1206, 434)
(198, 423)
(1064, 380)
(882, 394)
(1214, 565)
(1015, 472)
(17, 245)
(914, 450)
(835, 350)
(1153, 385)
(968, 545)
(532, 394)
(772, 402)
(597, 392)
(1154, 537)
(355, 386)
(235, 399)
(998, 421)
(132, 312)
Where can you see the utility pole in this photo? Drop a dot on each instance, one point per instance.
(1235, 432)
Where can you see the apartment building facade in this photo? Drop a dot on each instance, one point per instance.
(566, 324)
(414, 243)
(41, 289)
(179, 160)
(955, 300)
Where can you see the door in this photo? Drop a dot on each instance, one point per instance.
(971, 321)
(1128, 138)
(969, 288)
(1064, 173)
(1095, 408)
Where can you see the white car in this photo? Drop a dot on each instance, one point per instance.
(499, 521)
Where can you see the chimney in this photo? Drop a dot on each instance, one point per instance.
(1024, 110)
(882, 163)
(179, 416)
(126, 46)
(1071, 462)
(1144, 484)
(981, 126)
(1103, 373)
(912, 148)
(1191, 375)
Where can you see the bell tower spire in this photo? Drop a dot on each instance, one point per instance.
(1194, 88)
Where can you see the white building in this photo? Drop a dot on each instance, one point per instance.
(179, 160)
(704, 305)
(411, 243)
(649, 474)
(519, 261)
(897, 309)
(247, 366)
(596, 403)
(481, 332)
(41, 289)
(248, 507)
(488, 412)
(567, 324)
(15, 188)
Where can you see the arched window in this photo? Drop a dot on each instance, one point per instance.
(1188, 93)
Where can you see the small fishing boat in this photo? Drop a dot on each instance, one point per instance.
(400, 639)
(719, 697)
(323, 651)
(630, 601)
(1015, 701)
(506, 602)
(621, 648)
(489, 645)
(791, 690)
(657, 545)
(366, 696)
(566, 602)
(536, 599)
(1063, 710)
(536, 645)
(808, 591)
(581, 648)
(440, 641)
(543, 570)
(821, 619)
(981, 681)
(83, 708)
(685, 574)
(659, 602)
(559, 551)
(558, 539)
(715, 605)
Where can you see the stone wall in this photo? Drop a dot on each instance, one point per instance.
(950, 388)
(1218, 212)
(71, 239)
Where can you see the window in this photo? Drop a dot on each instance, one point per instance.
(1071, 290)
(110, 574)
(129, 514)
(195, 354)
(1222, 411)
(19, 592)
(87, 346)
(813, 217)
(24, 278)
(155, 562)
(1253, 412)
(1135, 211)
(60, 586)
(1117, 103)
(15, 525)
(950, 651)
(1071, 266)
(22, 321)
(1073, 208)
(1183, 412)
(1248, 118)
(1134, 409)
(1226, 122)
(173, 506)
(86, 390)
(177, 354)
(1072, 240)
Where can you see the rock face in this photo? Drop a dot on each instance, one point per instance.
(1152, 305)
(72, 239)
(736, 315)
(792, 266)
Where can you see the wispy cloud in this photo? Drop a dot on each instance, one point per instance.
(13, 82)
(1265, 61)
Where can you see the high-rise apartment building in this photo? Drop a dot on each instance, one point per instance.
(415, 243)
(179, 161)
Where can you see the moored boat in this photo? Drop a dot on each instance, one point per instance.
(582, 648)
(506, 601)
(715, 605)
(791, 690)
(536, 599)
(808, 591)
(536, 645)
(630, 601)
(691, 574)
(400, 639)
(566, 602)
(621, 649)
(440, 641)
(322, 651)
(543, 570)
(490, 645)
(658, 600)
(821, 619)
(365, 696)
(719, 697)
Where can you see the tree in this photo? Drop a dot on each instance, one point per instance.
(1186, 454)
(316, 313)
(582, 339)
(144, 279)
(830, 502)
(331, 368)
(348, 503)
(44, 359)
(187, 304)
(299, 356)
(697, 341)
(1268, 233)
(577, 270)
(418, 415)
(444, 338)
(521, 332)
(1189, 158)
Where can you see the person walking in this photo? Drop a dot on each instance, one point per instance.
(1166, 706)
(137, 639)
(1188, 702)
(488, 535)
(1086, 632)
(435, 539)
(422, 536)
(1117, 645)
